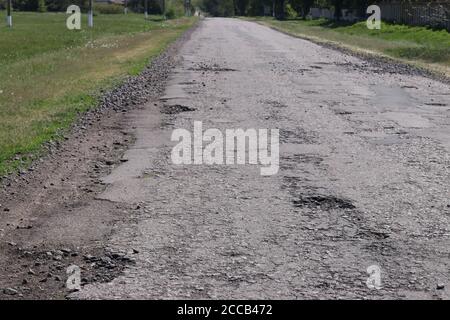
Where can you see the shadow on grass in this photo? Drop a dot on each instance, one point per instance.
(156, 19)
(325, 23)
(332, 24)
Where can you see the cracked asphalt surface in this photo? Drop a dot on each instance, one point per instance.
(364, 179)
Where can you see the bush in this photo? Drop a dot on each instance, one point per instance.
(174, 9)
(170, 13)
(218, 8)
(108, 8)
(290, 12)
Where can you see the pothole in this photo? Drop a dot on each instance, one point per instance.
(299, 136)
(175, 109)
(187, 83)
(436, 104)
(409, 87)
(322, 202)
(211, 68)
(342, 112)
(379, 235)
(47, 269)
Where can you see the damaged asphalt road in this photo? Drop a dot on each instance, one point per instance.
(363, 181)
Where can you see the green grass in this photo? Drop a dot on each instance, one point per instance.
(416, 44)
(48, 74)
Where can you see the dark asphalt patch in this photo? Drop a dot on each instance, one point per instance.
(299, 136)
(302, 158)
(379, 235)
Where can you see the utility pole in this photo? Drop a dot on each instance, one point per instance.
(146, 9)
(273, 8)
(91, 14)
(8, 13)
(125, 7)
(187, 8)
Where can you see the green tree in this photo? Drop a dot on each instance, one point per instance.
(41, 7)
(302, 7)
(219, 8)
(241, 7)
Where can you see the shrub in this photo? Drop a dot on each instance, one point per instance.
(174, 9)
(170, 13)
(108, 8)
(290, 12)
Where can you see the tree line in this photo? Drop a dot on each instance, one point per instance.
(283, 8)
(43, 5)
(154, 6)
(279, 8)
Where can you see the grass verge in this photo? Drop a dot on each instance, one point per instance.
(420, 46)
(49, 75)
